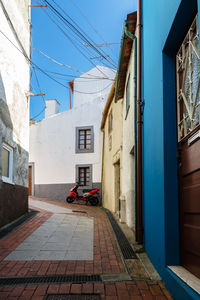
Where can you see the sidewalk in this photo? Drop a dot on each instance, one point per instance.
(63, 239)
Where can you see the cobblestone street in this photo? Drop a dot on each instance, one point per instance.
(63, 239)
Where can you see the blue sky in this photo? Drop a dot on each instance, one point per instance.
(102, 21)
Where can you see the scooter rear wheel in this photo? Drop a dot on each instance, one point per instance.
(94, 201)
(70, 199)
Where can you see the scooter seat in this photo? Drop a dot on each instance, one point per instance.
(87, 190)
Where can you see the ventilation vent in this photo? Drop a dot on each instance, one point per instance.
(49, 279)
(125, 247)
(72, 297)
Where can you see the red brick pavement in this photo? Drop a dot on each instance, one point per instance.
(119, 291)
(106, 255)
(106, 260)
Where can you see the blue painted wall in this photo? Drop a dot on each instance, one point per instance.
(165, 23)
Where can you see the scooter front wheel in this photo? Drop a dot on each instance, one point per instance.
(94, 201)
(70, 199)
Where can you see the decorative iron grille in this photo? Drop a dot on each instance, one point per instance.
(188, 81)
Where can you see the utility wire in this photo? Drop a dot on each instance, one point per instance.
(42, 71)
(63, 65)
(73, 3)
(82, 14)
(68, 37)
(75, 30)
(40, 93)
(88, 79)
(93, 43)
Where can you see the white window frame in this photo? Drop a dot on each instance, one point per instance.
(10, 171)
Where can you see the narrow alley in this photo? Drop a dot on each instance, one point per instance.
(69, 251)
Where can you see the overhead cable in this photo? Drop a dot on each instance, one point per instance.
(74, 29)
(64, 65)
(41, 70)
(71, 40)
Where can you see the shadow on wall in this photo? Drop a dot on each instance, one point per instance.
(13, 197)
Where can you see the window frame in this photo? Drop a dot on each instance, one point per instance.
(8, 179)
(128, 89)
(110, 121)
(77, 174)
(77, 149)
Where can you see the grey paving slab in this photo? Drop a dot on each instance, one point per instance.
(48, 206)
(22, 255)
(79, 255)
(61, 237)
(55, 246)
(30, 246)
(50, 255)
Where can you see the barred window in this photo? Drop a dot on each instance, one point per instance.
(188, 82)
(84, 139)
(84, 176)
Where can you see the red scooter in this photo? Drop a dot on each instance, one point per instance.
(88, 195)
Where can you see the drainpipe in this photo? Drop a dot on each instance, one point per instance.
(102, 166)
(139, 227)
(138, 155)
(134, 38)
(138, 113)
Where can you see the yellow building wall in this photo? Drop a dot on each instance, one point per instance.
(112, 149)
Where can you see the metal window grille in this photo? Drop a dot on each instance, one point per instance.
(84, 139)
(84, 176)
(188, 82)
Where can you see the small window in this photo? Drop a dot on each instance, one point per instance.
(7, 163)
(84, 175)
(84, 139)
(110, 122)
(127, 95)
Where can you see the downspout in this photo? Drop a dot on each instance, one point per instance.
(102, 165)
(134, 38)
(139, 228)
(126, 34)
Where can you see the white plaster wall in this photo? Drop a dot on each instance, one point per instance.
(94, 87)
(52, 145)
(128, 160)
(51, 107)
(14, 83)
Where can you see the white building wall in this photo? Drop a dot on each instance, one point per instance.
(14, 104)
(97, 85)
(128, 158)
(53, 151)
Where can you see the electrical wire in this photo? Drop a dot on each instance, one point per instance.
(88, 22)
(85, 79)
(78, 48)
(63, 65)
(80, 27)
(41, 95)
(75, 30)
(42, 71)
